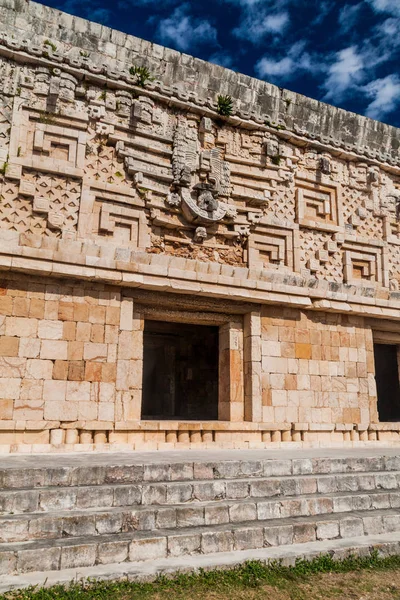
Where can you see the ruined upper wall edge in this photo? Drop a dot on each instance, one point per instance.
(188, 79)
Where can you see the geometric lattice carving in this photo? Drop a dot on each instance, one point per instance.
(48, 146)
(119, 223)
(102, 165)
(364, 263)
(317, 206)
(358, 211)
(60, 144)
(121, 218)
(50, 208)
(391, 229)
(320, 254)
(272, 247)
(63, 197)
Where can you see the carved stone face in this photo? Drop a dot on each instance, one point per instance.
(206, 201)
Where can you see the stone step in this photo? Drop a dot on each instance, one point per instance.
(93, 522)
(171, 492)
(385, 544)
(138, 546)
(74, 474)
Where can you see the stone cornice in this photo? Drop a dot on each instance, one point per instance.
(160, 272)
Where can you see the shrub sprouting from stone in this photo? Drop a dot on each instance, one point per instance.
(142, 74)
(224, 106)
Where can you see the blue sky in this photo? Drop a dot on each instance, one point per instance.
(345, 53)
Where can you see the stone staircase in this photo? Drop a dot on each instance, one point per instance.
(59, 522)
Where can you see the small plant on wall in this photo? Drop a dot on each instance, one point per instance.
(50, 45)
(142, 74)
(224, 106)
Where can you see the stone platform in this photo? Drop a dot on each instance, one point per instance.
(137, 515)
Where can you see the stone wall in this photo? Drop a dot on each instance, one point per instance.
(69, 353)
(317, 368)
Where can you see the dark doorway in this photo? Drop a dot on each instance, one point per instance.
(180, 371)
(387, 382)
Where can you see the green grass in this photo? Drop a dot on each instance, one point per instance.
(241, 582)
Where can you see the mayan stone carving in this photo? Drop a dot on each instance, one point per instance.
(127, 202)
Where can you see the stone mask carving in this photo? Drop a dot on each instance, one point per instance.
(207, 198)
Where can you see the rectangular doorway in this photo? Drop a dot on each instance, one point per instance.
(387, 381)
(180, 371)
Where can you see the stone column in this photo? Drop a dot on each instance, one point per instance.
(252, 367)
(231, 367)
(130, 361)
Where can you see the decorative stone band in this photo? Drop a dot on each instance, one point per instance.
(79, 66)
(159, 435)
(63, 258)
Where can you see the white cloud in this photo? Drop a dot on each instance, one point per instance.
(295, 63)
(391, 7)
(324, 8)
(280, 69)
(346, 72)
(348, 17)
(222, 58)
(276, 23)
(388, 34)
(184, 31)
(255, 27)
(386, 96)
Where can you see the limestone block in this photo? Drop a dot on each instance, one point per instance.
(39, 369)
(87, 411)
(351, 527)
(303, 533)
(247, 538)
(50, 330)
(281, 535)
(57, 436)
(83, 332)
(148, 549)
(28, 347)
(242, 512)
(52, 349)
(71, 436)
(129, 374)
(327, 530)
(81, 555)
(113, 552)
(126, 316)
(8, 562)
(9, 388)
(9, 346)
(184, 545)
(220, 541)
(48, 557)
(106, 411)
(95, 352)
(100, 437)
(21, 327)
(130, 345)
(85, 437)
(60, 410)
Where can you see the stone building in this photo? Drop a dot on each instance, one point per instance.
(171, 276)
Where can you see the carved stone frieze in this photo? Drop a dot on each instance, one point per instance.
(143, 173)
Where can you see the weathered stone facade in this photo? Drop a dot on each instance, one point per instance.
(123, 203)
